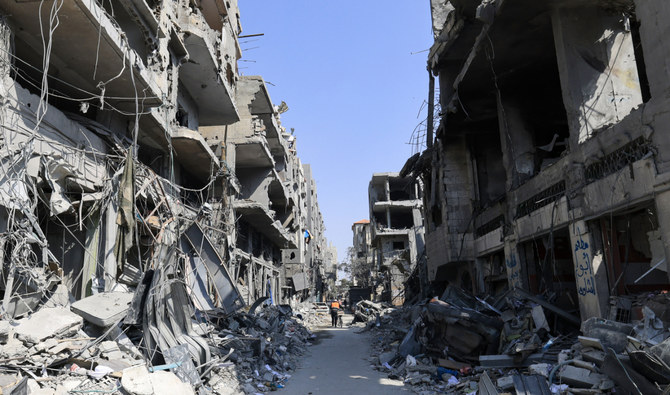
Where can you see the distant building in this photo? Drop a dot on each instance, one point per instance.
(396, 232)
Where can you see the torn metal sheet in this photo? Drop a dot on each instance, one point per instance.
(300, 281)
(530, 385)
(167, 317)
(197, 282)
(486, 386)
(626, 377)
(258, 302)
(227, 293)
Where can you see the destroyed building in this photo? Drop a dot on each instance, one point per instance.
(276, 202)
(363, 254)
(135, 159)
(396, 232)
(549, 169)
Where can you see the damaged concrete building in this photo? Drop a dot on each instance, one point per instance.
(396, 233)
(276, 202)
(134, 157)
(549, 168)
(362, 254)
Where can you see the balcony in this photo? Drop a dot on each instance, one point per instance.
(264, 222)
(202, 75)
(252, 152)
(194, 153)
(90, 50)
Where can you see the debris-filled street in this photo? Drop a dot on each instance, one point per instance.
(161, 229)
(459, 344)
(340, 363)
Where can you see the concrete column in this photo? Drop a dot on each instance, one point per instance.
(513, 264)
(654, 17)
(397, 286)
(597, 68)
(663, 215)
(585, 258)
(516, 142)
(481, 266)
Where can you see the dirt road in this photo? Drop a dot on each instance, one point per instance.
(338, 364)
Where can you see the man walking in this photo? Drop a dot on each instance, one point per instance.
(335, 307)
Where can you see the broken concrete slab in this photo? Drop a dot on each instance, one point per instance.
(137, 381)
(505, 383)
(509, 361)
(579, 377)
(168, 383)
(47, 323)
(386, 357)
(103, 309)
(591, 342)
(533, 384)
(610, 333)
(595, 356)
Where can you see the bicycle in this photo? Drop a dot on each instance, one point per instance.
(340, 314)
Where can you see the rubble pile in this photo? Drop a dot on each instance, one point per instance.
(86, 346)
(262, 349)
(370, 313)
(463, 345)
(311, 315)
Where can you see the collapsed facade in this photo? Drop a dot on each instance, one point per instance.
(135, 158)
(548, 170)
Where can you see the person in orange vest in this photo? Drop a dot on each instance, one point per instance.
(335, 306)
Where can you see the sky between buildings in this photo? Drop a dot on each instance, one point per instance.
(354, 89)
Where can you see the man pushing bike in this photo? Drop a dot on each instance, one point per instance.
(335, 308)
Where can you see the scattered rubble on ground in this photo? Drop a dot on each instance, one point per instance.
(520, 342)
(87, 347)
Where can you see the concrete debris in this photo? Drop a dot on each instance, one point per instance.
(259, 354)
(533, 360)
(136, 381)
(47, 323)
(103, 309)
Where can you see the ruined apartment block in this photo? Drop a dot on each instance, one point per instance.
(134, 159)
(363, 254)
(396, 232)
(550, 161)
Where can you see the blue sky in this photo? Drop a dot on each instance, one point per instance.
(353, 87)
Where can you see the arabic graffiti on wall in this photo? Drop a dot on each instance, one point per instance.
(513, 270)
(583, 268)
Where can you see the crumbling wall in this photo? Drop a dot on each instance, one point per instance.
(598, 68)
(457, 187)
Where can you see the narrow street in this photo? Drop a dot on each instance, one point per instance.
(338, 364)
